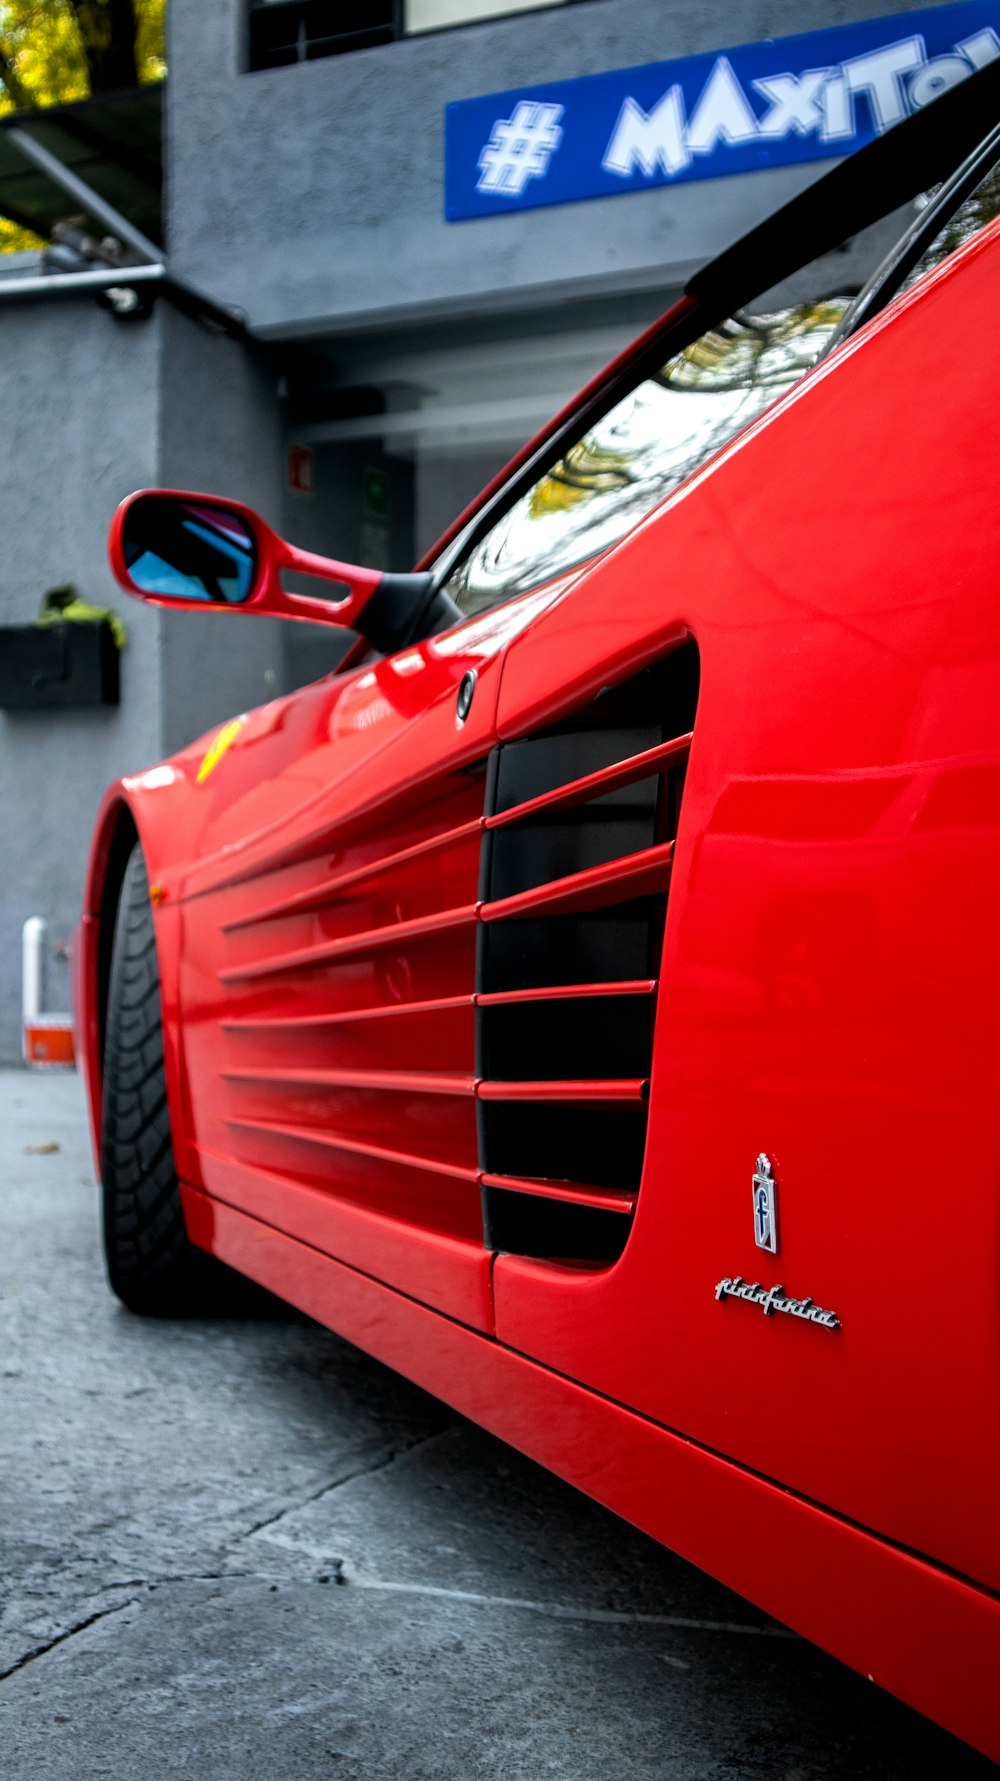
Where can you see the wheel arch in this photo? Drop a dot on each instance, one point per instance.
(152, 808)
(115, 834)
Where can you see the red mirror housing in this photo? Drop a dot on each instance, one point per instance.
(161, 540)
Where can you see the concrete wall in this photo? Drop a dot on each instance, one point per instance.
(220, 432)
(78, 392)
(94, 408)
(325, 205)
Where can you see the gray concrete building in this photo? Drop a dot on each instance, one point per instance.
(329, 341)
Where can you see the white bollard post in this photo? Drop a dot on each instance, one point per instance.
(32, 944)
(46, 1039)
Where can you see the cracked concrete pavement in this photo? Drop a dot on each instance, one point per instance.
(241, 1549)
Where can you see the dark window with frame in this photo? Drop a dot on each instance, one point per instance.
(285, 31)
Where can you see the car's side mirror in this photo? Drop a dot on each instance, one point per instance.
(174, 548)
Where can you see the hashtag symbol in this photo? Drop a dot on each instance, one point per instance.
(520, 148)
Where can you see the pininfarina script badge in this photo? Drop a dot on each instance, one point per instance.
(775, 1298)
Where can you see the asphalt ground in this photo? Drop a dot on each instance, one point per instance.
(242, 1551)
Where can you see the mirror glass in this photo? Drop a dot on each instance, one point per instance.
(187, 550)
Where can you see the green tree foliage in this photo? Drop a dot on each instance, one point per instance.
(55, 51)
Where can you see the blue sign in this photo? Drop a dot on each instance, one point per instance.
(736, 111)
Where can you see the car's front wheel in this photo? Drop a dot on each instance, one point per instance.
(152, 1264)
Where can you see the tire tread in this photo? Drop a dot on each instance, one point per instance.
(152, 1265)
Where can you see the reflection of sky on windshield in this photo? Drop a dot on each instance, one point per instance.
(644, 448)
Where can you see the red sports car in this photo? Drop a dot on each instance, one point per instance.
(587, 999)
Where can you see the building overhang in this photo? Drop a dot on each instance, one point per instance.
(113, 144)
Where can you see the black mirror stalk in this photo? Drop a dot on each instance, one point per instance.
(404, 609)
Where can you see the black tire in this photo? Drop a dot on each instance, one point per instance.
(152, 1264)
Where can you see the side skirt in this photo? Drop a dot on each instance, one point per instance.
(922, 1634)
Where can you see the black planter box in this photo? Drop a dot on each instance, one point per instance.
(57, 665)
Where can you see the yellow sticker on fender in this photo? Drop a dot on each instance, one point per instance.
(218, 746)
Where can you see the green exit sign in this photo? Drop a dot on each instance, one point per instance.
(377, 494)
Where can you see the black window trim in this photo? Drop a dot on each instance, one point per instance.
(962, 125)
(907, 253)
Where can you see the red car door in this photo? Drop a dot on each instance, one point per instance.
(829, 975)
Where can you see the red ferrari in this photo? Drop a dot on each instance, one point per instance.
(587, 999)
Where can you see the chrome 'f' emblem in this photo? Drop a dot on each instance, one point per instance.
(765, 1206)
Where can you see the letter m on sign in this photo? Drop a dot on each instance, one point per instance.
(646, 141)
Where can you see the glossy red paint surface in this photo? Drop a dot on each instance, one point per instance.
(827, 994)
(831, 959)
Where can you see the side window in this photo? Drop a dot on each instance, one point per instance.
(669, 425)
(661, 431)
(645, 447)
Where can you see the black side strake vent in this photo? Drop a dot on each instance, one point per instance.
(577, 851)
